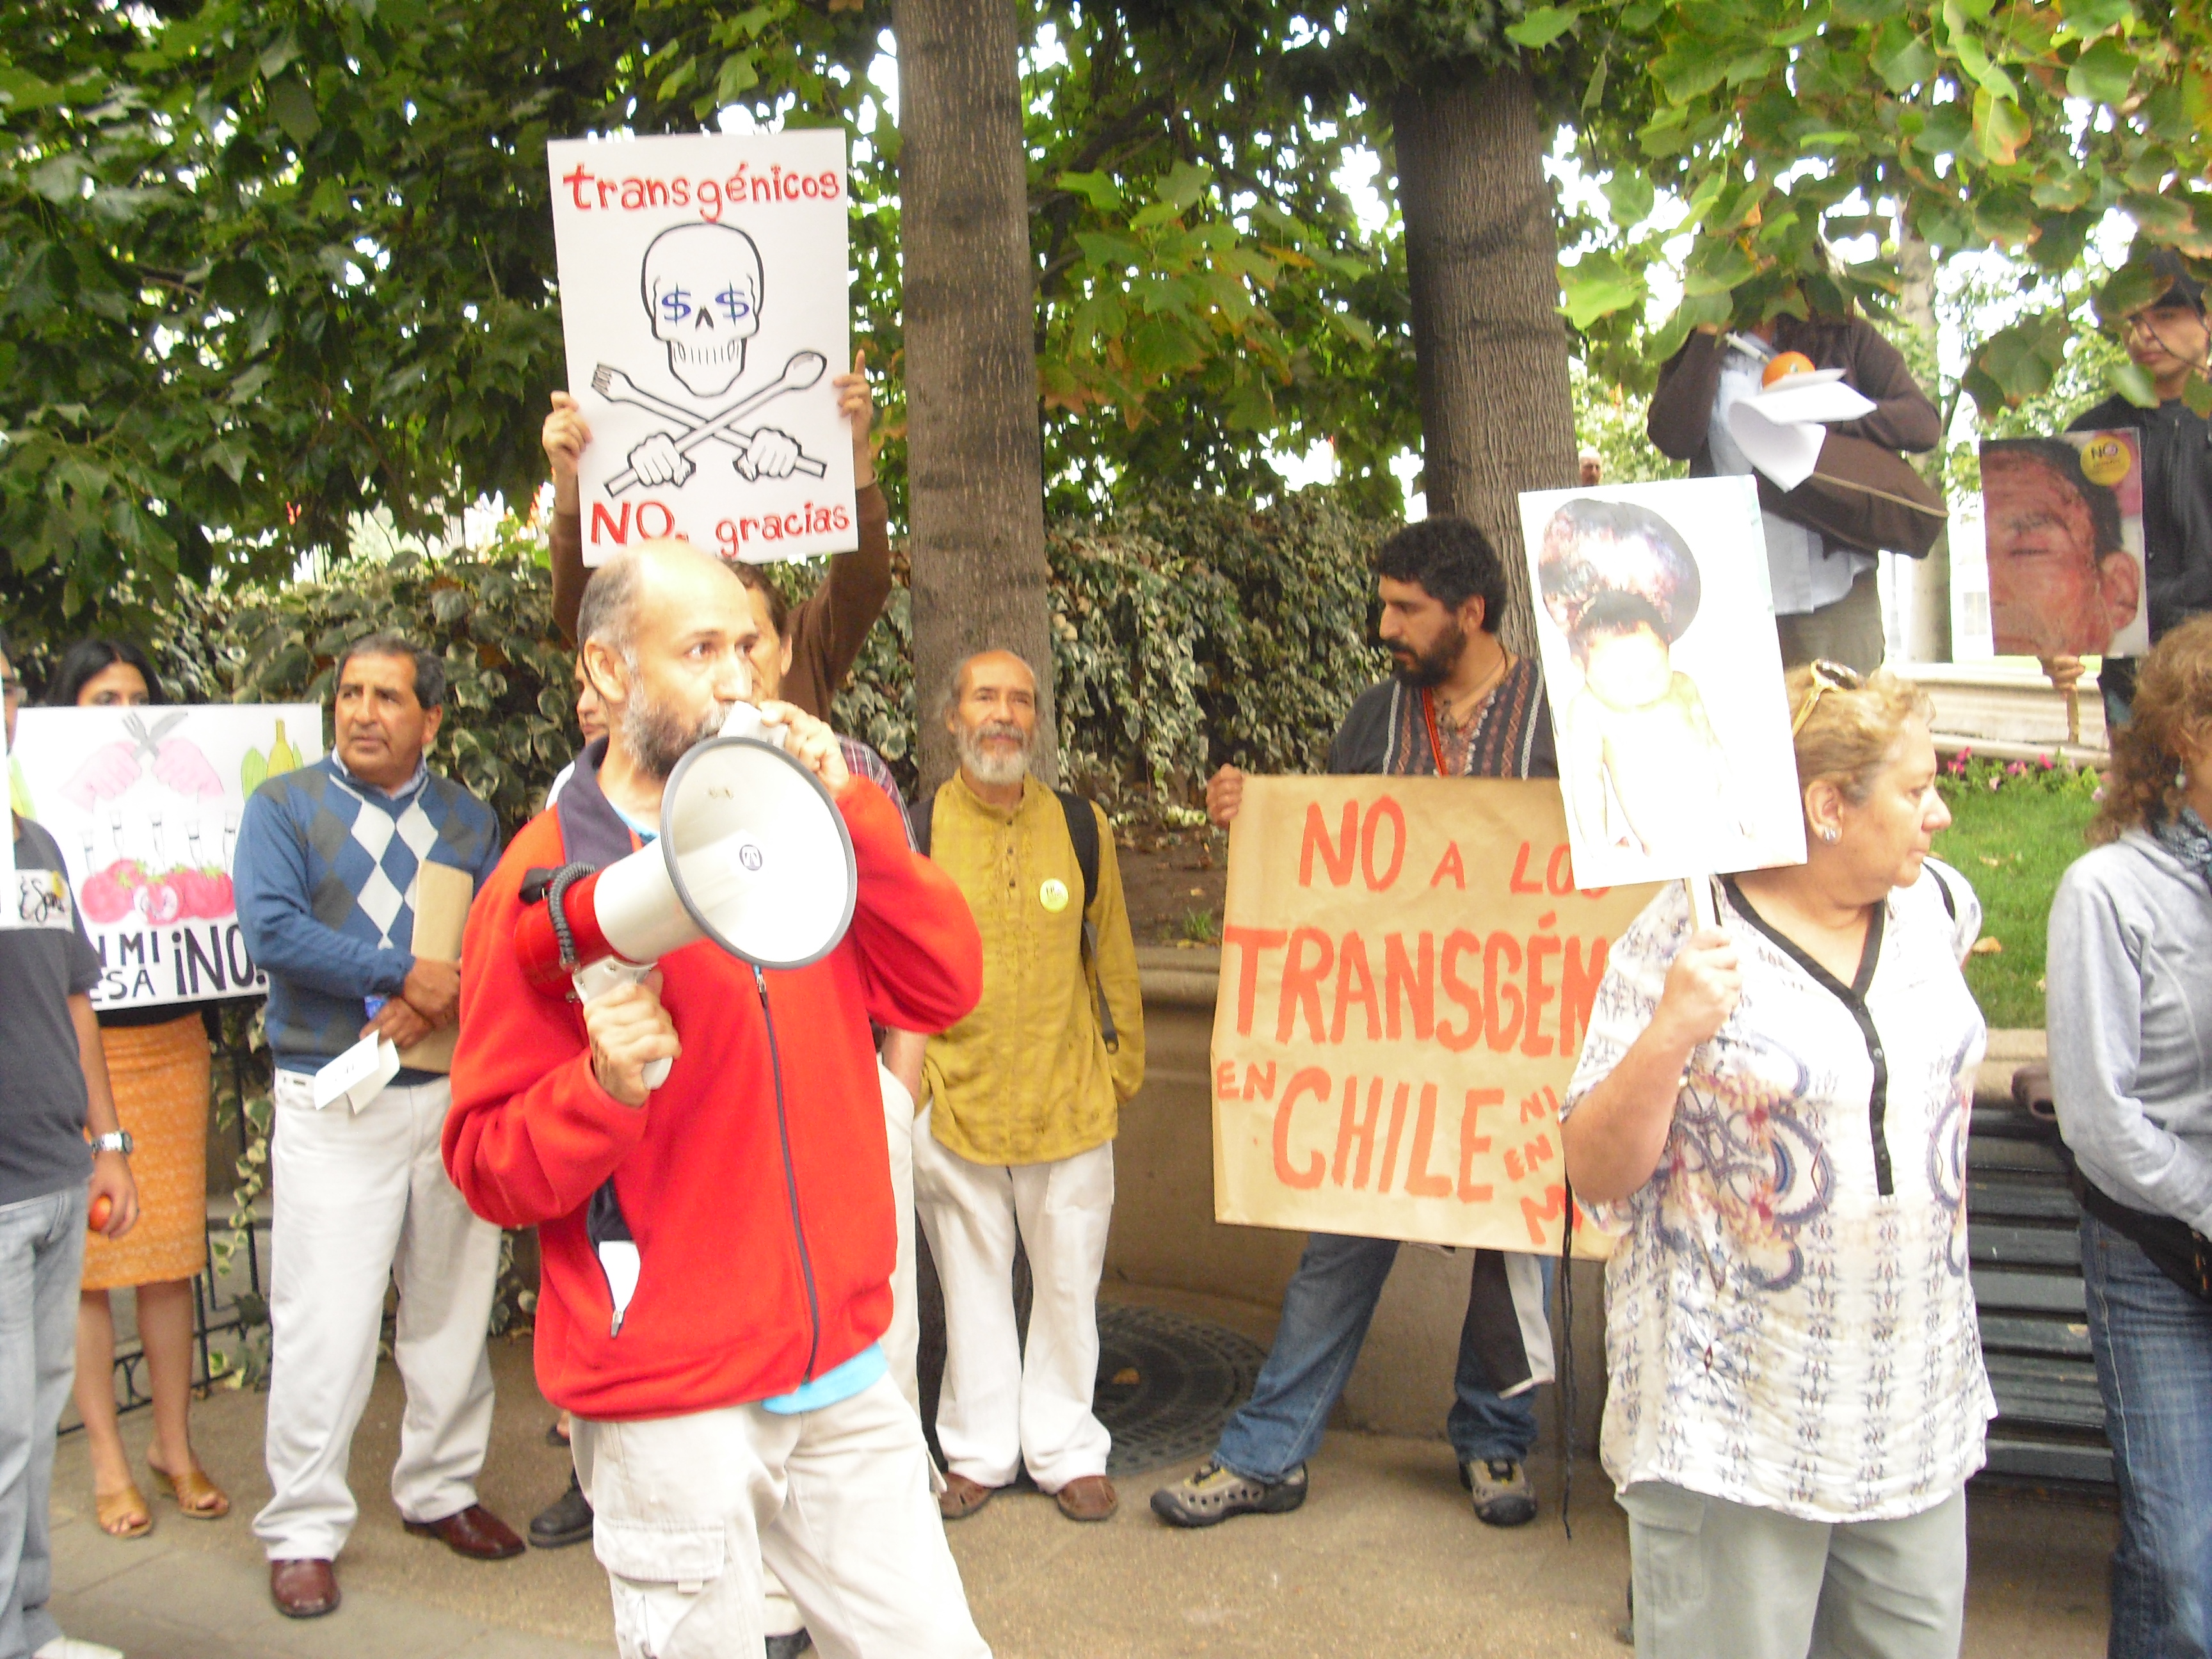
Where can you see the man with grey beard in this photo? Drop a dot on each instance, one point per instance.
(1023, 1096)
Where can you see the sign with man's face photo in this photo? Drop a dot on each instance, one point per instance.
(2063, 518)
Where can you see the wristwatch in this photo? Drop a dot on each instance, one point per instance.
(120, 1141)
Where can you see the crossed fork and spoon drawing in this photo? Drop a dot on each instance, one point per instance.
(803, 370)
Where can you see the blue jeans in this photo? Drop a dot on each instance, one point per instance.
(1326, 1313)
(2152, 1341)
(2116, 687)
(41, 1261)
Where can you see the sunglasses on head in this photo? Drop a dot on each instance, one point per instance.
(1826, 677)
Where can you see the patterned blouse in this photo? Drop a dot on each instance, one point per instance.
(1788, 1319)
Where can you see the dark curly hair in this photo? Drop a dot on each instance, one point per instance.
(1449, 560)
(2173, 709)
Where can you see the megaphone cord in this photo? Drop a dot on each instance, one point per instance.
(790, 1175)
(557, 894)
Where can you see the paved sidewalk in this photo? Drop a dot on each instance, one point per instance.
(159, 1598)
(1385, 1558)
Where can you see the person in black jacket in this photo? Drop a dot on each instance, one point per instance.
(2167, 338)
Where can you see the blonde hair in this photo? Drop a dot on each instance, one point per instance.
(2172, 707)
(1847, 735)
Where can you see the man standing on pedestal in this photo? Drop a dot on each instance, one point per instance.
(1024, 1099)
(328, 858)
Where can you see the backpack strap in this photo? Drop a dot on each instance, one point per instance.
(1083, 833)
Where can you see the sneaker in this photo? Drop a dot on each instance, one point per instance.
(566, 1520)
(1217, 1491)
(1503, 1497)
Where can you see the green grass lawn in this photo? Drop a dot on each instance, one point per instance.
(2013, 843)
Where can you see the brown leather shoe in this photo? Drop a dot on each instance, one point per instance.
(475, 1532)
(303, 1590)
(962, 1497)
(1088, 1497)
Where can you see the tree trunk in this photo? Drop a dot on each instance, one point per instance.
(1928, 582)
(1497, 411)
(975, 455)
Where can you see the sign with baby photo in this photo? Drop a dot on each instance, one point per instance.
(1407, 974)
(1656, 627)
(145, 804)
(703, 301)
(2063, 524)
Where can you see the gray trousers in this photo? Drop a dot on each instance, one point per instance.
(42, 1260)
(1715, 1577)
(1848, 631)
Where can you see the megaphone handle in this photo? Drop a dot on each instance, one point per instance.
(595, 979)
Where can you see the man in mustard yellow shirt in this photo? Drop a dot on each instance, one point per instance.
(1024, 1098)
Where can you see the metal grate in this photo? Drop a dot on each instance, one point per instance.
(1167, 1383)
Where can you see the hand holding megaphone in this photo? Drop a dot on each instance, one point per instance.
(633, 1041)
(797, 733)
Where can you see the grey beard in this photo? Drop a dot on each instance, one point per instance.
(658, 737)
(995, 771)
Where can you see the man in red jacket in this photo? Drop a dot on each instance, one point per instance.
(738, 1408)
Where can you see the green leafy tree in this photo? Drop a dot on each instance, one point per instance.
(1782, 127)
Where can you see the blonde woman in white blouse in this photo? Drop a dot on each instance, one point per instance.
(1773, 1116)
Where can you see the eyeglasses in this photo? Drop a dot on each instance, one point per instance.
(1826, 677)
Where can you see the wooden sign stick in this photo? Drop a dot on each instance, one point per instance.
(1702, 913)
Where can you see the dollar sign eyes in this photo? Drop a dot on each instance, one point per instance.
(675, 305)
(736, 303)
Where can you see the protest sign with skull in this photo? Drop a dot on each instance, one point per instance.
(703, 285)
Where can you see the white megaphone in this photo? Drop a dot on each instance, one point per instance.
(752, 854)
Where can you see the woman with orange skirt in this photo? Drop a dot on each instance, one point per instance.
(159, 1063)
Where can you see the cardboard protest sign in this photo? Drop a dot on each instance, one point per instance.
(703, 300)
(1657, 634)
(145, 803)
(1406, 973)
(2062, 520)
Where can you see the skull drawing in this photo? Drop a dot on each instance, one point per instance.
(702, 287)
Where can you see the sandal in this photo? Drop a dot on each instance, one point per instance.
(198, 1498)
(122, 1514)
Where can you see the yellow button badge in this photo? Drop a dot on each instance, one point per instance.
(1053, 895)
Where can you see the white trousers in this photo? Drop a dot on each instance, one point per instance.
(1002, 1407)
(363, 1199)
(836, 1501)
(780, 1613)
(902, 1341)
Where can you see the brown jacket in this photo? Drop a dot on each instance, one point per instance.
(1862, 493)
(826, 629)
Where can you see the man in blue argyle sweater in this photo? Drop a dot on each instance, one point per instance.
(328, 860)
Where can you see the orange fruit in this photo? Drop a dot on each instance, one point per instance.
(1782, 367)
(102, 1207)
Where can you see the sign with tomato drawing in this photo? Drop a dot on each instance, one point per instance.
(145, 803)
(704, 307)
(1407, 972)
